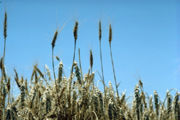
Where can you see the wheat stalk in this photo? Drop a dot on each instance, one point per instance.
(110, 40)
(80, 64)
(75, 31)
(53, 45)
(100, 35)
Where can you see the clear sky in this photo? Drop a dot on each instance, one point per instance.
(145, 44)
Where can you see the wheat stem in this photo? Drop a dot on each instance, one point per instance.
(53, 45)
(75, 39)
(100, 50)
(112, 62)
(80, 64)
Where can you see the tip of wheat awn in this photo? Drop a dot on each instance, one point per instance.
(75, 30)
(54, 39)
(110, 34)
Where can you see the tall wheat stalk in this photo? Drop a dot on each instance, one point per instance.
(75, 31)
(53, 45)
(3, 74)
(100, 50)
(110, 40)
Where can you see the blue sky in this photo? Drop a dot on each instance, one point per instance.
(146, 38)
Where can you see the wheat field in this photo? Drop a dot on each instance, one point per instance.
(47, 96)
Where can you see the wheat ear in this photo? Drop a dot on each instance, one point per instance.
(5, 34)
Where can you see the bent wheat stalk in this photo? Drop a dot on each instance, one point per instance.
(53, 45)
